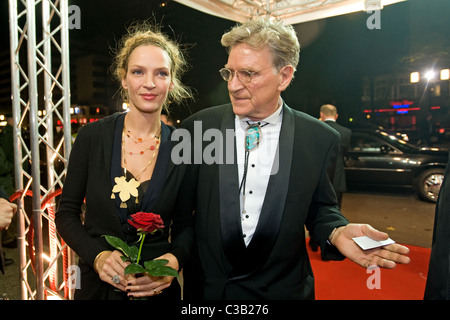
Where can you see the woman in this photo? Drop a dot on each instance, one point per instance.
(134, 147)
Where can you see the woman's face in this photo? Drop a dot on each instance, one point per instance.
(148, 78)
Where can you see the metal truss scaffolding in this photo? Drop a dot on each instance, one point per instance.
(42, 141)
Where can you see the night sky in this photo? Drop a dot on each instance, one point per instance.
(336, 52)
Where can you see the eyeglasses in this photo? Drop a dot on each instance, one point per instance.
(244, 76)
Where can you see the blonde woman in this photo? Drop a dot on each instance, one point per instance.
(129, 149)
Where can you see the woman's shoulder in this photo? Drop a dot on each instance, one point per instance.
(97, 128)
(102, 123)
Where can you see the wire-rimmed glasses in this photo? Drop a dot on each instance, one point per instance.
(244, 76)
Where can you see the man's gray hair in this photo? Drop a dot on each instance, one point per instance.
(260, 32)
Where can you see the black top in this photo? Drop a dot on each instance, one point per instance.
(149, 190)
(94, 163)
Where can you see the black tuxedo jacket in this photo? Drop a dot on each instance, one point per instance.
(438, 280)
(339, 182)
(275, 265)
(89, 178)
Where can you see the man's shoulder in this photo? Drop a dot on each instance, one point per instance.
(342, 129)
(304, 119)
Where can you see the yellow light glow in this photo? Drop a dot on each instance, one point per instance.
(445, 74)
(429, 75)
(414, 77)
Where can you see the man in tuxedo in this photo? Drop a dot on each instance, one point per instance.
(262, 173)
(329, 115)
(438, 280)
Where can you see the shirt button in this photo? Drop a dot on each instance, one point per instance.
(245, 235)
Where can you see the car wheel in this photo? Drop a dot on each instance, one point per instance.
(429, 184)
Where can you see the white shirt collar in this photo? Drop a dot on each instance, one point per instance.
(274, 118)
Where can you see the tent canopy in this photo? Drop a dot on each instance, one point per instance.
(290, 11)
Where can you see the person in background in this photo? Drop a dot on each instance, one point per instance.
(133, 148)
(7, 211)
(438, 280)
(274, 178)
(8, 236)
(167, 119)
(329, 115)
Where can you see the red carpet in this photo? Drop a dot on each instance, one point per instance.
(344, 280)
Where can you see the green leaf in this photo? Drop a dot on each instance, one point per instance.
(119, 244)
(134, 268)
(130, 252)
(163, 271)
(155, 263)
(157, 268)
(134, 253)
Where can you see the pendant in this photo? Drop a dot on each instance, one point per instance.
(252, 137)
(126, 189)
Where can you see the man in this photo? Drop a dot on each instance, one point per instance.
(329, 115)
(254, 194)
(7, 211)
(438, 280)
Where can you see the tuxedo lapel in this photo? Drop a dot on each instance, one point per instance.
(171, 143)
(271, 214)
(230, 219)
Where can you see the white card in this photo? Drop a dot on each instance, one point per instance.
(368, 243)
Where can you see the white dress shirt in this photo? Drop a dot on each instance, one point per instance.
(260, 165)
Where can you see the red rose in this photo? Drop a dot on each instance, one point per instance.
(146, 222)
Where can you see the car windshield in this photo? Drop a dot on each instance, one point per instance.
(379, 141)
(405, 146)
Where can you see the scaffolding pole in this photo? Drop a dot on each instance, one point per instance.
(40, 77)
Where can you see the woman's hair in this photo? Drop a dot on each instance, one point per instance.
(144, 34)
(260, 32)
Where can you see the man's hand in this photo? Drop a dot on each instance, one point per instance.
(384, 257)
(7, 211)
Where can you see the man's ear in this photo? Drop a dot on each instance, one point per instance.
(286, 73)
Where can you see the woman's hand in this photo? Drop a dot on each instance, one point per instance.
(150, 286)
(111, 269)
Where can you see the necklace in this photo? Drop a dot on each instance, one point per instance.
(253, 136)
(125, 188)
(139, 141)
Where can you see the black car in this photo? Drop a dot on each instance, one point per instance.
(378, 158)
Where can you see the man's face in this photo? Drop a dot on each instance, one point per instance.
(259, 98)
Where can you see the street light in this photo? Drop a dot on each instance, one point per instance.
(429, 75)
(414, 77)
(445, 74)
